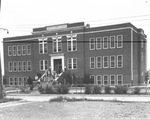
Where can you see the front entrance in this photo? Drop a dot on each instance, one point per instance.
(57, 63)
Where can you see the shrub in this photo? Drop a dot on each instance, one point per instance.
(63, 89)
(97, 89)
(136, 90)
(65, 99)
(41, 90)
(107, 89)
(49, 90)
(120, 89)
(88, 89)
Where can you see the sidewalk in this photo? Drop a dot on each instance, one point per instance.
(100, 97)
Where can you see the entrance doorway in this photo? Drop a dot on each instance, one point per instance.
(58, 65)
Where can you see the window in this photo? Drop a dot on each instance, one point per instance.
(23, 50)
(112, 61)
(14, 50)
(15, 81)
(43, 47)
(105, 79)
(92, 77)
(72, 63)
(119, 41)
(28, 65)
(43, 65)
(9, 51)
(119, 61)
(25, 80)
(14, 66)
(92, 62)
(112, 80)
(19, 81)
(92, 43)
(24, 66)
(19, 66)
(99, 79)
(98, 43)
(10, 66)
(112, 42)
(120, 79)
(98, 62)
(105, 62)
(57, 44)
(28, 49)
(19, 50)
(11, 81)
(105, 42)
(72, 43)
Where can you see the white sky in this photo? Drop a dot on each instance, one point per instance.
(20, 16)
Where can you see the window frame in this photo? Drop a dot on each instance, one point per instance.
(15, 81)
(10, 67)
(101, 80)
(28, 49)
(113, 41)
(71, 39)
(107, 80)
(14, 50)
(24, 50)
(111, 80)
(121, 79)
(57, 40)
(42, 43)
(24, 66)
(72, 63)
(19, 50)
(15, 66)
(120, 61)
(10, 52)
(98, 62)
(29, 66)
(19, 66)
(11, 81)
(90, 44)
(106, 61)
(45, 66)
(92, 62)
(113, 61)
(19, 82)
(100, 43)
(106, 42)
(120, 41)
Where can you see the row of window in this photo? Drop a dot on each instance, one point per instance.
(106, 42)
(17, 81)
(18, 50)
(100, 42)
(57, 44)
(108, 79)
(106, 62)
(71, 64)
(18, 66)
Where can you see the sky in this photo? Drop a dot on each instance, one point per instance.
(21, 16)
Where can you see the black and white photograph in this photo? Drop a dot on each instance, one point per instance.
(74, 59)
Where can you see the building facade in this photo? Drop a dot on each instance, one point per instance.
(111, 55)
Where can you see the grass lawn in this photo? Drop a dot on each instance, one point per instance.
(77, 110)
